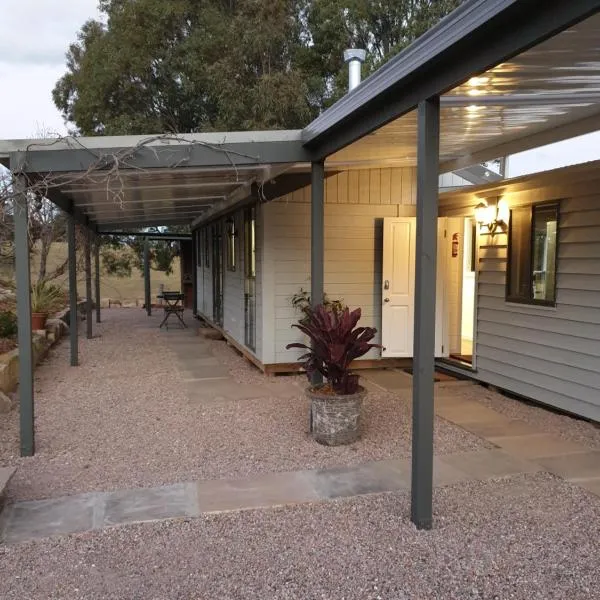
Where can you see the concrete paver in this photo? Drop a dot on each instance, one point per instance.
(271, 489)
(148, 504)
(536, 446)
(43, 518)
(582, 465)
(488, 463)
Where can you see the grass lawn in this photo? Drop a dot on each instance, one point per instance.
(126, 289)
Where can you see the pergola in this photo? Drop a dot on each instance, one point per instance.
(495, 77)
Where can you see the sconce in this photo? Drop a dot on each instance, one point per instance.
(492, 216)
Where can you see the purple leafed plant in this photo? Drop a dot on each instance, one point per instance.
(335, 343)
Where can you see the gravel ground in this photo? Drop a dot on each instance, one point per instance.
(549, 421)
(521, 538)
(122, 420)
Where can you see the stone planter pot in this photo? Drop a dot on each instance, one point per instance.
(335, 420)
(38, 321)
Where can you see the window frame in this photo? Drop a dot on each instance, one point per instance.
(520, 299)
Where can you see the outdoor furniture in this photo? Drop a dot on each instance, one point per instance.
(173, 306)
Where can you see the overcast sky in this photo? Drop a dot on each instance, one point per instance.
(35, 34)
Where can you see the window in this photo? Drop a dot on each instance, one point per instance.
(206, 248)
(250, 242)
(532, 245)
(231, 245)
(250, 277)
(199, 236)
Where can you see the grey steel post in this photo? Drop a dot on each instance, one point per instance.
(88, 284)
(23, 279)
(147, 292)
(97, 276)
(424, 326)
(317, 240)
(195, 243)
(73, 316)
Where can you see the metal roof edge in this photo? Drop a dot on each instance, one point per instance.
(543, 176)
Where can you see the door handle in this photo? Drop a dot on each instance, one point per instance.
(386, 299)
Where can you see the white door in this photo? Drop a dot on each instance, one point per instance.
(398, 293)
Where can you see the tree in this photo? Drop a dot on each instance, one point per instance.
(202, 65)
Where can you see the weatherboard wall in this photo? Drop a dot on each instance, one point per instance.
(356, 202)
(549, 354)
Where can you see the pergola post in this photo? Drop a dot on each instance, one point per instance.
(23, 278)
(147, 292)
(428, 142)
(97, 276)
(317, 240)
(88, 284)
(195, 243)
(73, 324)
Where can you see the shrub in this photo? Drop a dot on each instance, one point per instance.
(335, 343)
(8, 324)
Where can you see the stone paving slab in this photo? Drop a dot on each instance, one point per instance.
(502, 426)
(204, 372)
(271, 489)
(488, 463)
(368, 478)
(6, 474)
(43, 518)
(591, 485)
(536, 446)
(219, 390)
(149, 504)
(582, 465)
(390, 380)
(466, 412)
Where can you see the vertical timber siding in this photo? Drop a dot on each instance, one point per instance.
(549, 354)
(356, 202)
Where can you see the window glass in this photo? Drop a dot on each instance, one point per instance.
(532, 244)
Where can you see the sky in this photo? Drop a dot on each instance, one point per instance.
(35, 34)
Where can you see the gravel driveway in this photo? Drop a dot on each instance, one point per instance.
(520, 538)
(122, 419)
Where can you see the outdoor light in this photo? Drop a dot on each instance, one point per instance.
(492, 216)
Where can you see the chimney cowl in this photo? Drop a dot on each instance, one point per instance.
(354, 57)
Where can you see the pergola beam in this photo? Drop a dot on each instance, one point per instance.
(549, 99)
(116, 225)
(170, 186)
(150, 236)
(256, 152)
(195, 200)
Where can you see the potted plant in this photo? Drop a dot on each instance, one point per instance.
(45, 298)
(335, 342)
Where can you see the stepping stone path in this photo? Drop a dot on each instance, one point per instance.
(83, 512)
(520, 448)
